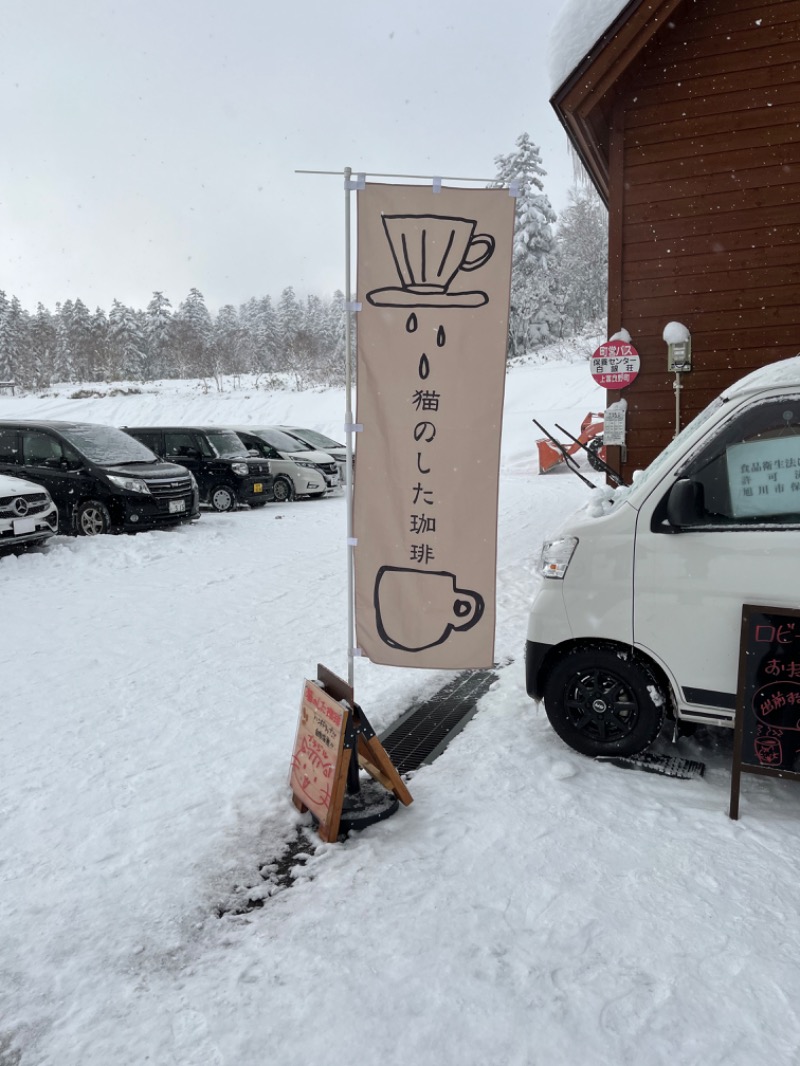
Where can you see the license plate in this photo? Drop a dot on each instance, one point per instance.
(24, 525)
(258, 487)
(176, 506)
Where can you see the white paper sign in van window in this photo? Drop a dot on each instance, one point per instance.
(764, 477)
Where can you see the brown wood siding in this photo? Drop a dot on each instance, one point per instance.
(710, 213)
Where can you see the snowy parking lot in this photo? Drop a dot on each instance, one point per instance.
(530, 907)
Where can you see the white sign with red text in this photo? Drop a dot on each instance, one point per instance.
(615, 364)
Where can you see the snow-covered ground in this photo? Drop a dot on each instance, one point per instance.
(531, 908)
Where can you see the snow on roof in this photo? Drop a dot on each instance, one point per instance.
(784, 372)
(577, 28)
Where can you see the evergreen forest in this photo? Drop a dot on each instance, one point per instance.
(559, 282)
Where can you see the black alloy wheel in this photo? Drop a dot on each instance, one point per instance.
(602, 701)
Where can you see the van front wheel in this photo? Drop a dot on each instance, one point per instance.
(601, 701)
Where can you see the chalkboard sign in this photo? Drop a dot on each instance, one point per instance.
(767, 739)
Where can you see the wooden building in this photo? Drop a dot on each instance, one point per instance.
(686, 113)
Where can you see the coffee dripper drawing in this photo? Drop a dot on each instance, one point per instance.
(429, 252)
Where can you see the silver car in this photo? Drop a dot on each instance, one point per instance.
(291, 477)
(313, 439)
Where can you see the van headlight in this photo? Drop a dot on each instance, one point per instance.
(556, 556)
(129, 484)
(240, 469)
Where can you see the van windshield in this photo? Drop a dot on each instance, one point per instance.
(640, 477)
(107, 445)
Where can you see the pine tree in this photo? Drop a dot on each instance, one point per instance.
(193, 329)
(227, 341)
(13, 329)
(128, 348)
(580, 266)
(158, 335)
(532, 316)
(63, 369)
(79, 331)
(101, 357)
(42, 348)
(289, 322)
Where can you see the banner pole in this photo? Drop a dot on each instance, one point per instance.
(349, 422)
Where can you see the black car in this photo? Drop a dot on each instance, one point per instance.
(100, 479)
(225, 474)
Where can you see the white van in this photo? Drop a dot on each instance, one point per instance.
(638, 608)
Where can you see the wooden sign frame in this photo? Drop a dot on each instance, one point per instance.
(320, 759)
(372, 756)
(332, 731)
(768, 696)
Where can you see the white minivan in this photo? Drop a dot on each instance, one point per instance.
(638, 606)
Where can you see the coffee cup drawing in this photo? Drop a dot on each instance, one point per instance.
(429, 252)
(419, 609)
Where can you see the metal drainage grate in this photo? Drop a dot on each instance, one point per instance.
(425, 730)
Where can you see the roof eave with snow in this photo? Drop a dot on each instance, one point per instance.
(583, 101)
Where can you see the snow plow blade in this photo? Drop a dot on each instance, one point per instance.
(550, 455)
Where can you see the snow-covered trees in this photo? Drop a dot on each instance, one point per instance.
(558, 286)
(13, 330)
(158, 334)
(127, 342)
(559, 277)
(579, 268)
(532, 315)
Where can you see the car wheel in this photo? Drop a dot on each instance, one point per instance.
(282, 490)
(222, 498)
(595, 450)
(601, 701)
(92, 518)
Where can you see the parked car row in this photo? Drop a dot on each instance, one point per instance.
(86, 479)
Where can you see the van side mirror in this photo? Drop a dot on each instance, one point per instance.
(685, 503)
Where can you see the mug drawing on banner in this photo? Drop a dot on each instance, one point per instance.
(429, 251)
(419, 609)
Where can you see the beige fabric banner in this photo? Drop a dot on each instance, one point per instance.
(434, 273)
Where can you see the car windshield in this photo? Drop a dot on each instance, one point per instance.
(107, 445)
(280, 440)
(314, 439)
(226, 444)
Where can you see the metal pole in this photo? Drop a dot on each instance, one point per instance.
(349, 422)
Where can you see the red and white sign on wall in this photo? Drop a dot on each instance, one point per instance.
(615, 364)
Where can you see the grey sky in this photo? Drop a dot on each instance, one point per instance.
(153, 145)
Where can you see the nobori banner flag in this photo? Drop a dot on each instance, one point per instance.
(434, 271)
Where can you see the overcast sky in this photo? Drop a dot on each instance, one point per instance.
(153, 145)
